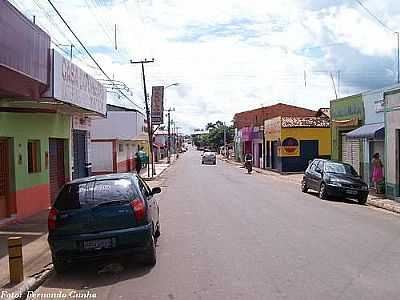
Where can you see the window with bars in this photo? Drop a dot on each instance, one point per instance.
(34, 156)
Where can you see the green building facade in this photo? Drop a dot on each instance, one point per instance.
(36, 144)
(347, 114)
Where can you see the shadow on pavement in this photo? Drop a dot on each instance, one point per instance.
(88, 275)
(336, 199)
(30, 229)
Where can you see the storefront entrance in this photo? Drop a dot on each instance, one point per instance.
(80, 153)
(4, 177)
(274, 155)
(56, 166)
(351, 152)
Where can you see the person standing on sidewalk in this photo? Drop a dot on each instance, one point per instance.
(138, 164)
(377, 170)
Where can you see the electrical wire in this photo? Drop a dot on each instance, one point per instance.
(374, 16)
(86, 50)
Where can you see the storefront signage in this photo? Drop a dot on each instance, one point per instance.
(272, 129)
(246, 133)
(157, 105)
(347, 108)
(346, 123)
(70, 84)
(290, 147)
(81, 123)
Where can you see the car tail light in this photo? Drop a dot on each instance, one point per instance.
(139, 208)
(51, 221)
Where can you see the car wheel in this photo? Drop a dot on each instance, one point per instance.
(363, 199)
(304, 187)
(322, 191)
(150, 258)
(60, 266)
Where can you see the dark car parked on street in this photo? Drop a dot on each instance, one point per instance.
(107, 215)
(337, 179)
(209, 158)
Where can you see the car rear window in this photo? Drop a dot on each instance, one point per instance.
(88, 194)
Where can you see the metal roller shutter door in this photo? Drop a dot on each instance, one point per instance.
(351, 152)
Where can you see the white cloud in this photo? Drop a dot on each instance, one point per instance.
(230, 56)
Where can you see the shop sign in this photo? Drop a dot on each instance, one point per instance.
(347, 108)
(70, 84)
(289, 147)
(272, 129)
(247, 133)
(157, 105)
(81, 123)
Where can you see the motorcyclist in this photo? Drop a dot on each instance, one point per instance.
(248, 161)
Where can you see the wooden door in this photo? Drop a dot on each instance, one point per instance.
(4, 177)
(56, 167)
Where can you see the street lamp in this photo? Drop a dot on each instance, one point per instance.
(174, 84)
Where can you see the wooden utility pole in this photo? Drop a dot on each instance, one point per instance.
(398, 56)
(169, 134)
(148, 117)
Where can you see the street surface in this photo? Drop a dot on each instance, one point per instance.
(229, 235)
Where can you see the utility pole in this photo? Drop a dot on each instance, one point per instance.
(149, 124)
(169, 134)
(115, 37)
(225, 140)
(70, 52)
(334, 86)
(398, 56)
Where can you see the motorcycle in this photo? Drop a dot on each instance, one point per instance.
(248, 165)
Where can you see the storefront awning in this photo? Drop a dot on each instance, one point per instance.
(368, 131)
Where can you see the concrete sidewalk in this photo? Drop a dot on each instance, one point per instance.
(160, 167)
(373, 200)
(35, 250)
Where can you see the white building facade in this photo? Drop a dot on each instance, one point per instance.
(116, 139)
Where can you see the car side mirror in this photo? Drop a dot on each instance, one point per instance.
(318, 170)
(156, 190)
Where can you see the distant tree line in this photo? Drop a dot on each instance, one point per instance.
(214, 139)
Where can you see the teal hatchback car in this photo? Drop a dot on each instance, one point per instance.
(107, 215)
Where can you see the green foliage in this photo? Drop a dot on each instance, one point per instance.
(215, 138)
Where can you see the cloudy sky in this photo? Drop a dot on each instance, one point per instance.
(231, 55)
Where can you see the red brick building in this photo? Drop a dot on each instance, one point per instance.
(249, 128)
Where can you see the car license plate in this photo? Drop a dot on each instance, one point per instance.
(98, 244)
(351, 192)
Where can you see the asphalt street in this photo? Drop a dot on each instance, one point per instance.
(230, 235)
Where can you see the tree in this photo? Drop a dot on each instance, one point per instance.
(214, 139)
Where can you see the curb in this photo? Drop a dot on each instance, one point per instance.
(159, 174)
(30, 284)
(370, 201)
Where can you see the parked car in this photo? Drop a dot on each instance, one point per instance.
(209, 158)
(331, 178)
(107, 215)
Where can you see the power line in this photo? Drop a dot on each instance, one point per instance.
(80, 42)
(93, 12)
(374, 16)
(84, 47)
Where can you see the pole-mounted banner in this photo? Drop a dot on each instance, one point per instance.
(157, 105)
